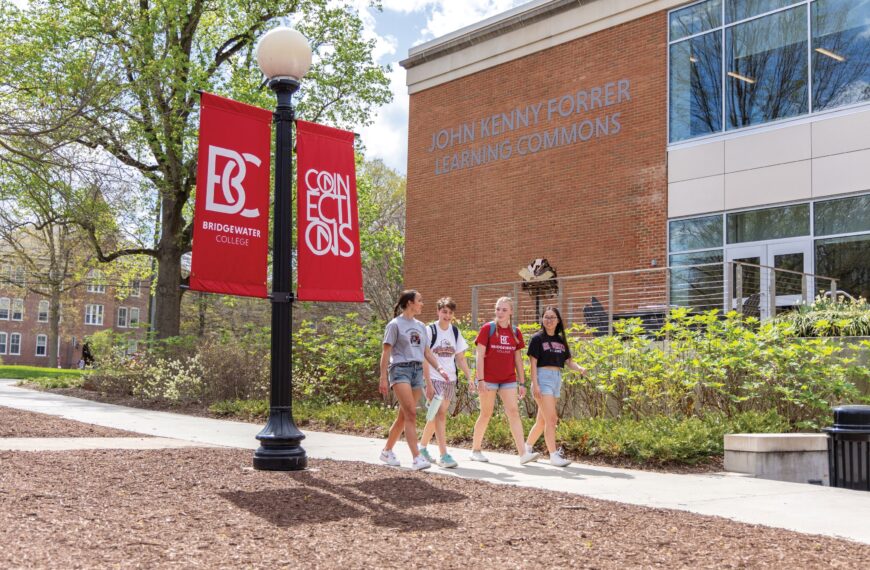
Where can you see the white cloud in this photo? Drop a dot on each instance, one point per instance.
(387, 137)
(450, 15)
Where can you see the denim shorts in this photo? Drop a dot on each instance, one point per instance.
(550, 382)
(505, 386)
(407, 373)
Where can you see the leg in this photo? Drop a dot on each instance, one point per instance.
(441, 426)
(511, 408)
(551, 417)
(487, 403)
(397, 428)
(408, 403)
(428, 432)
(538, 428)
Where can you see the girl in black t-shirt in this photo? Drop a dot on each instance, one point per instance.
(549, 354)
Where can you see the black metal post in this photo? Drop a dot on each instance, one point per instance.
(280, 448)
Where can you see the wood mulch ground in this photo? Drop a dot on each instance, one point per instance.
(20, 423)
(207, 508)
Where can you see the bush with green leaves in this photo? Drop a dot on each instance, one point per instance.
(830, 317)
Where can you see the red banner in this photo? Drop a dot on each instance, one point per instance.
(329, 263)
(231, 220)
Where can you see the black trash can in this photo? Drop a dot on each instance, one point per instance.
(849, 448)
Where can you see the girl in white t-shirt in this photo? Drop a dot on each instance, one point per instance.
(446, 341)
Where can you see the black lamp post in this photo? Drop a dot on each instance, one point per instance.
(284, 57)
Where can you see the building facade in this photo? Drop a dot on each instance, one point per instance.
(631, 134)
(95, 305)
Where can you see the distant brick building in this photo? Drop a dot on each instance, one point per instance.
(608, 136)
(98, 304)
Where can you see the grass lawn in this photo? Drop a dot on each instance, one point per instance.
(11, 372)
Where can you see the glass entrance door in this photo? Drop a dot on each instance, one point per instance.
(779, 276)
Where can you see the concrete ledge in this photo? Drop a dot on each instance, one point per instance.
(795, 457)
(771, 442)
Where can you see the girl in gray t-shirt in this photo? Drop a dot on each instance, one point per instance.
(405, 348)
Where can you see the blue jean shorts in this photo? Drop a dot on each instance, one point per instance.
(505, 386)
(550, 382)
(407, 373)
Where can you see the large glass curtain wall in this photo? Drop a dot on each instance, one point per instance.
(737, 63)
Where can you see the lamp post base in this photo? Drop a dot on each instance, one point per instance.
(279, 444)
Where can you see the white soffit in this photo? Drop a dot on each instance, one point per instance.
(530, 28)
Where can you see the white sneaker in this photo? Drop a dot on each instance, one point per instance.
(529, 449)
(529, 457)
(420, 463)
(557, 459)
(388, 457)
(478, 456)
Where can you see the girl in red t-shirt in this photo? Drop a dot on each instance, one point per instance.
(499, 365)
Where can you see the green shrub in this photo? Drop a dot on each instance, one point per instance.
(56, 382)
(830, 317)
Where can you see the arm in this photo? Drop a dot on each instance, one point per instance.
(383, 386)
(462, 364)
(521, 372)
(481, 352)
(574, 366)
(533, 369)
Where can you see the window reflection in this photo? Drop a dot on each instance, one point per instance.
(696, 233)
(696, 86)
(736, 10)
(695, 19)
(848, 261)
(699, 286)
(842, 216)
(841, 52)
(766, 69)
(770, 223)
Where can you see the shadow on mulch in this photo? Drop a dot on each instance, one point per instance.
(384, 502)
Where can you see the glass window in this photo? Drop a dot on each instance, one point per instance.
(19, 277)
(15, 343)
(136, 288)
(736, 10)
(696, 279)
(766, 69)
(122, 317)
(695, 104)
(3, 338)
(772, 223)
(42, 315)
(41, 343)
(93, 314)
(95, 281)
(695, 19)
(696, 233)
(843, 216)
(5, 305)
(841, 52)
(847, 260)
(17, 309)
(134, 316)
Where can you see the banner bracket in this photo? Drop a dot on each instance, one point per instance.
(281, 297)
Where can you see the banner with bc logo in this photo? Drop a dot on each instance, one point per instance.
(231, 217)
(328, 256)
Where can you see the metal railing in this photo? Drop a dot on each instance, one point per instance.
(600, 299)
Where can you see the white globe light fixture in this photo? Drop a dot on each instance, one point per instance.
(284, 52)
(284, 57)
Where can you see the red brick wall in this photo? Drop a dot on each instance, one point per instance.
(591, 206)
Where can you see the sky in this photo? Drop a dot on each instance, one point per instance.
(400, 25)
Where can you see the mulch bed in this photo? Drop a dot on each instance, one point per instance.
(19, 423)
(206, 508)
(710, 465)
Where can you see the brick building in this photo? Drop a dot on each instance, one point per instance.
(617, 135)
(99, 303)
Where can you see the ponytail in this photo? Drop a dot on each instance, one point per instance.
(406, 297)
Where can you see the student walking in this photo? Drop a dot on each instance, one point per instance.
(402, 363)
(500, 371)
(548, 355)
(445, 340)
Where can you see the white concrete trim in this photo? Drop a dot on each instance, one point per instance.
(776, 442)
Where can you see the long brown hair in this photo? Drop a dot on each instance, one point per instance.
(560, 326)
(406, 297)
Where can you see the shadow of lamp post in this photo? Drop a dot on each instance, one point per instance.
(284, 56)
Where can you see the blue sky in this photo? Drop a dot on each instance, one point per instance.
(400, 25)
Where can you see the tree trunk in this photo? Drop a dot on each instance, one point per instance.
(167, 316)
(54, 327)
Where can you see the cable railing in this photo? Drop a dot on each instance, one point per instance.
(599, 300)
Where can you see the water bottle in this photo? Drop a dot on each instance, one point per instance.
(434, 406)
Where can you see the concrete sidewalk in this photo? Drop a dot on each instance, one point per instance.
(803, 508)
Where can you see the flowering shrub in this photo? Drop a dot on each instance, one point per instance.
(831, 317)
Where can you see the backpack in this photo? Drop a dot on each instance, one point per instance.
(493, 326)
(433, 329)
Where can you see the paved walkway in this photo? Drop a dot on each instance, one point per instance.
(803, 508)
